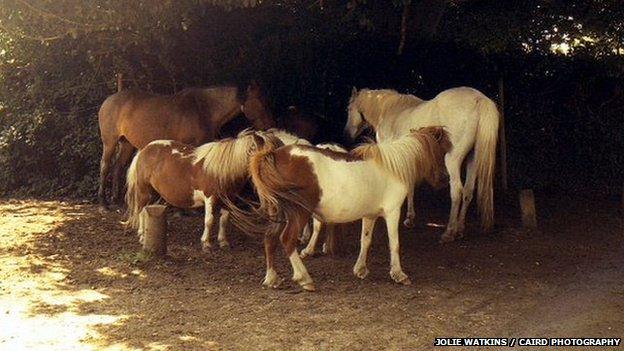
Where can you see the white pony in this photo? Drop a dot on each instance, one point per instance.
(470, 118)
(317, 225)
(294, 182)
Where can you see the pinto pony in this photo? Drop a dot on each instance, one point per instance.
(130, 120)
(294, 182)
(317, 225)
(189, 177)
(471, 120)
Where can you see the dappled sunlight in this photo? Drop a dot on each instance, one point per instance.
(39, 308)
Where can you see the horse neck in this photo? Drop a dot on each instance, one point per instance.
(403, 158)
(221, 106)
(369, 109)
(382, 111)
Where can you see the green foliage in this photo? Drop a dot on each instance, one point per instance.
(58, 60)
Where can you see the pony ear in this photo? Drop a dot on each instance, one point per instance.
(253, 86)
(353, 91)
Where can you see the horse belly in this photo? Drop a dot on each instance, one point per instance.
(348, 193)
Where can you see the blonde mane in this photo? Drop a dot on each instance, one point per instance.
(411, 158)
(287, 138)
(226, 160)
(332, 146)
(375, 104)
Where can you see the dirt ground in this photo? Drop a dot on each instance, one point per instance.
(70, 279)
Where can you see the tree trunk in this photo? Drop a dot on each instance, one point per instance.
(404, 18)
(502, 139)
(420, 19)
(153, 230)
(119, 81)
(527, 207)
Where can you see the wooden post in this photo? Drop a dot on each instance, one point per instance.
(527, 207)
(502, 139)
(119, 81)
(153, 230)
(332, 243)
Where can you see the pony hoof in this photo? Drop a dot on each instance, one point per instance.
(305, 253)
(400, 278)
(409, 223)
(308, 287)
(361, 272)
(271, 280)
(224, 245)
(447, 238)
(272, 283)
(206, 247)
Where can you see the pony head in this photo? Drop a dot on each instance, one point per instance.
(355, 122)
(256, 108)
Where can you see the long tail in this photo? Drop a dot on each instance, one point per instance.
(132, 196)
(485, 154)
(257, 219)
(279, 199)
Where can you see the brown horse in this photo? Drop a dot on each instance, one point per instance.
(189, 177)
(132, 119)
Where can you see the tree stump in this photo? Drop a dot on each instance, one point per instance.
(527, 208)
(153, 230)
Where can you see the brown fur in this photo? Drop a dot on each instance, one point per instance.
(175, 175)
(193, 116)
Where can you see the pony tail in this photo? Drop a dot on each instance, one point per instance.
(132, 203)
(485, 155)
(257, 220)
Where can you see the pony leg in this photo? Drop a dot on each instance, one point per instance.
(105, 163)
(471, 177)
(392, 225)
(368, 224)
(223, 220)
(271, 279)
(453, 165)
(289, 241)
(410, 215)
(305, 234)
(208, 220)
(310, 248)
(126, 150)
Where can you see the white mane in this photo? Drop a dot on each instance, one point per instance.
(288, 138)
(332, 146)
(409, 158)
(227, 159)
(377, 104)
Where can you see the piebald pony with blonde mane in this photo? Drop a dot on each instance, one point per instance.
(471, 120)
(295, 182)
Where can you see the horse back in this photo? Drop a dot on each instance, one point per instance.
(168, 167)
(142, 117)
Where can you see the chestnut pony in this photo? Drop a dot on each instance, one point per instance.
(131, 119)
(187, 177)
(296, 181)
